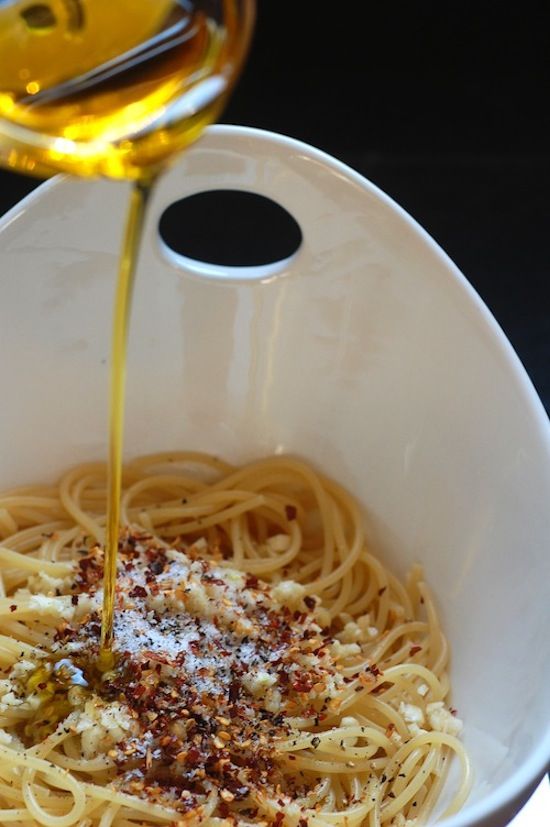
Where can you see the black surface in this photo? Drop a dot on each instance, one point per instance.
(446, 107)
(230, 227)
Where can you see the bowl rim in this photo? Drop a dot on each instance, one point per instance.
(509, 796)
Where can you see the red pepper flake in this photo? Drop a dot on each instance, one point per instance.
(13, 607)
(138, 591)
(193, 757)
(291, 512)
(303, 683)
(303, 822)
(74, 600)
(138, 691)
(214, 581)
(453, 711)
(251, 581)
(414, 649)
(201, 736)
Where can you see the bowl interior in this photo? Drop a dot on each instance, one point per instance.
(368, 354)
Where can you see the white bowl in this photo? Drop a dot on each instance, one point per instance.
(370, 355)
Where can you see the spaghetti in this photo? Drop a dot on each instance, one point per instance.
(268, 668)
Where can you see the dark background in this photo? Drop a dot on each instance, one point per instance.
(445, 106)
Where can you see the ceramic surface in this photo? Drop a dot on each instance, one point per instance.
(367, 352)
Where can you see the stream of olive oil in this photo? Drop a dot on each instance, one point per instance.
(121, 320)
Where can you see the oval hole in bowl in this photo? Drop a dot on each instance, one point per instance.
(231, 234)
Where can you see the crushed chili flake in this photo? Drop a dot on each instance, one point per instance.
(209, 669)
(290, 512)
(212, 666)
(138, 591)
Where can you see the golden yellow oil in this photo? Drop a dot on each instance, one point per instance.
(111, 87)
(60, 684)
(54, 683)
(121, 321)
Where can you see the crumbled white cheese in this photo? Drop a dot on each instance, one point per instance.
(9, 740)
(423, 689)
(411, 713)
(244, 626)
(5, 738)
(331, 687)
(10, 699)
(43, 583)
(351, 633)
(87, 603)
(363, 621)
(192, 598)
(44, 605)
(178, 557)
(21, 667)
(279, 542)
(288, 593)
(102, 726)
(442, 720)
(273, 701)
(257, 682)
(365, 624)
(234, 577)
(340, 651)
(195, 599)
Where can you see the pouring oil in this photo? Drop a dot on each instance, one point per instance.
(96, 87)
